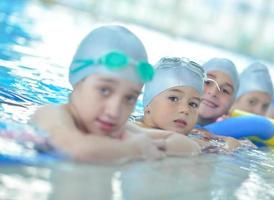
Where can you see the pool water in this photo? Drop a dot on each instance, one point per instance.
(37, 42)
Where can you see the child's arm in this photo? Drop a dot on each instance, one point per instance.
(88, 147)
(230, 144)
(101, 149)
(181, 145)
(133, 128)
(202, 132)
(172, 143)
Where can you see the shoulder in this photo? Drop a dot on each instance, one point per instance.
(50, 116)
(49, 111)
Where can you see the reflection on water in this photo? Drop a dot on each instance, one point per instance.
(26, 67)
(241, 176)
(36, 44)
(24, 183)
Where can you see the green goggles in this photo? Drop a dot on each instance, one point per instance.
(115, 61)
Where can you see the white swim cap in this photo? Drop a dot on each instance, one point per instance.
(255, 77)
(111, 50)
(172, 72)
(226, 66)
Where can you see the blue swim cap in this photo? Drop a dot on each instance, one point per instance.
(109, 40)
(226, 66)
(255, 77)
(172, 72)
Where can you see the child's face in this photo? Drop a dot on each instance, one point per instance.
(215, 103)
(254, 102)
(102, 104)
(175, 109)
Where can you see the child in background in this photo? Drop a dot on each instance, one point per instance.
(217, 101)
(219, 94)
(171, 101)
(219, 97)
(255, 91)
(107, 74)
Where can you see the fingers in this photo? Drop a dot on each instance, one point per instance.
(204, 133)
(150, 148)
(160, 144)
(154, 154)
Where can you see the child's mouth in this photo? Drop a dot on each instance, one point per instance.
(105, 126)
(180, 123)
(209, 103)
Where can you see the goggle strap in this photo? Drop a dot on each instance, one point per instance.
(144, 70)
(216, 83)
(84, 64)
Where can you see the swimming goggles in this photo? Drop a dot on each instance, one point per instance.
(170, 62)
(117, 60)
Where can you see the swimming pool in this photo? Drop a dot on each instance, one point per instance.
(36, 44)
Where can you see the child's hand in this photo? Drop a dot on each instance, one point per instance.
(231, 143)
(181, 145)
(147, 147)
(206, 134)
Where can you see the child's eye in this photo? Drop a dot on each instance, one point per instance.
(225, 91)
(252, 102)
(208, 82)
(265, 107)
(131, 99)
(173, 98)
(104, 91)
(194, 104)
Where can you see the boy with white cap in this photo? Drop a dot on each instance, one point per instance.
(219, 97)
(255, 91)
(107, 74)
(219, 94)
(176, 89)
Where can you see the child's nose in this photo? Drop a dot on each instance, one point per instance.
(213, 90)
(113, 109)
(183, 108)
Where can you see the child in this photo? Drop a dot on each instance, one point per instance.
(171, 101)
(219, 97)
(255, 91)
(107, 74)
(217, 101)
(220, 90)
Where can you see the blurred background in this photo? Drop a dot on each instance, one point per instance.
(39, 37)
(242, 26)
(241, 30)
